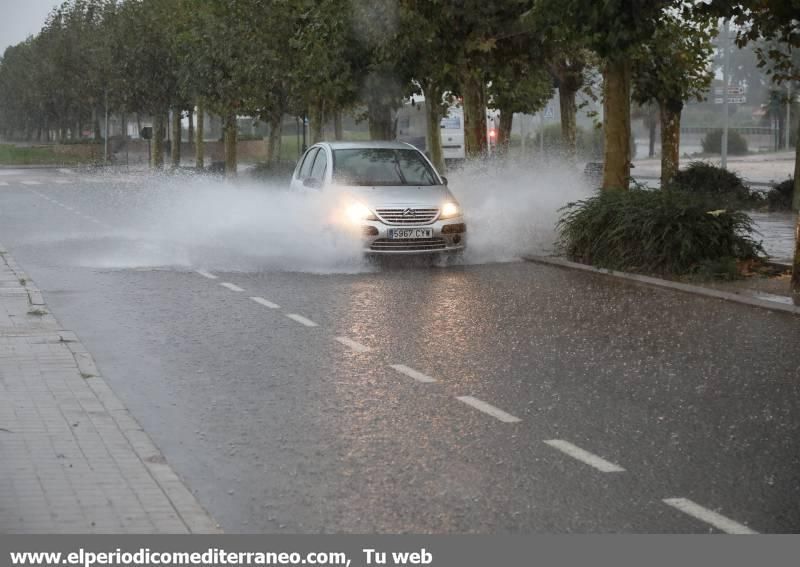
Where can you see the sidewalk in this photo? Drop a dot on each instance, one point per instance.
(72, 458)
(761, 169)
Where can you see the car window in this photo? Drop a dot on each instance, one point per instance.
(382, 166)
(308, 162)
(318, 171)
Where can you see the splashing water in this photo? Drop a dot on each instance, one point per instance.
(248, 225)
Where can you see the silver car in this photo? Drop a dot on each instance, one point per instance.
(390, 192)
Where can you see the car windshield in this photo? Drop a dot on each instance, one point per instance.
(381, 166)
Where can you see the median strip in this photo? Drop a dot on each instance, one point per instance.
(489, 409)
(302, 320)
(265, 303)
(358, 347)
(411, 373)
(230, 286)
(584, 456)
(710, 517)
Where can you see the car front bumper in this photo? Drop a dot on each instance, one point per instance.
(449, 236)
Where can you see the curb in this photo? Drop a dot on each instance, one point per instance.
(191, 512)
(666, 284)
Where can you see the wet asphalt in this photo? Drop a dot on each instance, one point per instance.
(279, 427)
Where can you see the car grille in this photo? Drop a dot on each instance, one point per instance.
(408, 215)
(408, 245)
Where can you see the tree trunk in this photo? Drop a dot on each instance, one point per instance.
(796, 207)
(96, 124)
(190, 135)
(316, 121)
(474, 92)
(199, 142)
(617, 124)
(433, 109)
(670, 140)
(569, 121)
(275, 139)
(158, 140)
(652, 125)
(338, 131)
(176, 137)
(380, 121)
(504, 131)
(796, 192)
(230, 145)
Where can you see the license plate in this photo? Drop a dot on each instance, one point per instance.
(410, 233)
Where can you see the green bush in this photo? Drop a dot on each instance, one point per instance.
(717, 186)
(654, 231)
(712, 143)
(779, 197)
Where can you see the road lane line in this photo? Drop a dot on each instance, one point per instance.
(64, 181)
(358, 347)
(230, 286)
(719, 521)
(265, 303)
(31, 183)
(302, 320)
(205, 274)
(584, 456)
(418, 376)
(3, 184)
(67, 171)
(489, 409)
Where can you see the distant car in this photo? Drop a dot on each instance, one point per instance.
(390, 192)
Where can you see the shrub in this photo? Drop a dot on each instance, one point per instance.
(719, 187)
(662, 232)
(779, 197)
(712, 143)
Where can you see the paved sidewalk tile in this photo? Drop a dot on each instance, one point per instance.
(72, 458)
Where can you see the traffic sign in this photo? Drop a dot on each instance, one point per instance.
(731, 100)
(732, 91)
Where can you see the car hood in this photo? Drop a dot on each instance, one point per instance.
(382, 196)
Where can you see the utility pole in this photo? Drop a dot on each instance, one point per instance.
(725, 81)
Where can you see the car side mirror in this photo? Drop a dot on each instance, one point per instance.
(312, 183)
(444, 179)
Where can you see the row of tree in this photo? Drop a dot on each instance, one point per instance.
(321, 58)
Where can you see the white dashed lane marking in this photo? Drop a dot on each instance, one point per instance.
(265, 303)
(584, 456)
(31, 183)
(358, 347)
(208, 275)
(230, 286)
(302, 320)
(3, 184)
(67, 171)
(497, 413)
(64, 181)
(719, 521)
(410, 372)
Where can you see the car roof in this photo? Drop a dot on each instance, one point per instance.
(368, 145)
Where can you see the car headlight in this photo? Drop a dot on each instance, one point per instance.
(450, 210)
(358, 212)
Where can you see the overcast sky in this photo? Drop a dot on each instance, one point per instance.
(21, 18)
